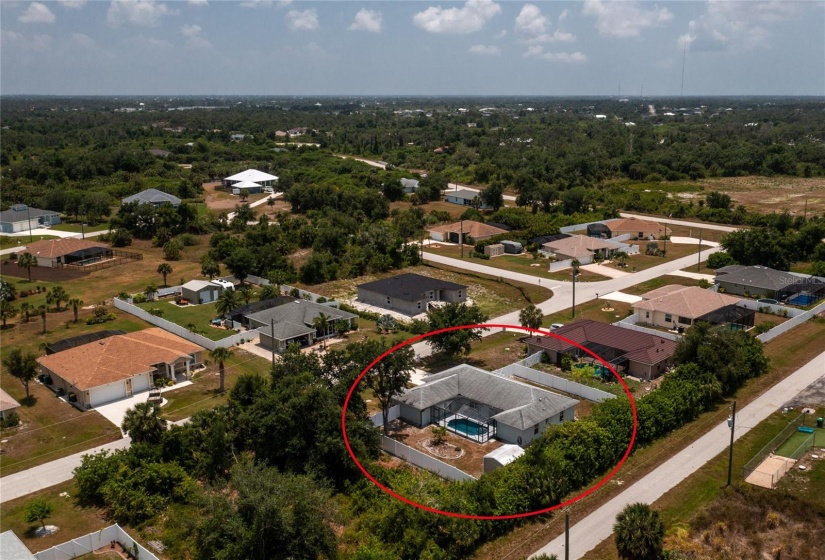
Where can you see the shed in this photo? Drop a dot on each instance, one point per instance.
(200, 291)
(494, 250)
(502, 456)
(512, 247)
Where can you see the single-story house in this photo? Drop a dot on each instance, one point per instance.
(293, 321)
(249, 187)
(465, 198)
(512, 247)
(410, 293)
(636, 228)
(67, 251)
(119, 366)
(153, 197)
(682, 306)
(251, 176)
(480, 405)
(7, 404)
(159, 153)
(451, 233)
(502, 456)
(298, 131)
(640, 354)
(79, 340)
(20, 217)
(494, 250)
(581, 247)
(410, 185)
(200, 291)
(761, 281)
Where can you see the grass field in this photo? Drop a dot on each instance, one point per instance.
(197, 315)
(7, 242)
(797, 439)
(75, 227)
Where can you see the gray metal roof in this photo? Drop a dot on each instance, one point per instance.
(409, 183)
(21, 213)
(198, 285)
(521, 405)
(463, 194)
(409, 286)
(299, 312)
(152, 196)
(12, 548)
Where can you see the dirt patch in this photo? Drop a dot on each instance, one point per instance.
(766, 194)
(471, 458)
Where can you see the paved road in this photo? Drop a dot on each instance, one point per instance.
(562, 291)
(668, 221)
(596, 527)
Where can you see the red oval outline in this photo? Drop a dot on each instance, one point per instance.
(415, 339)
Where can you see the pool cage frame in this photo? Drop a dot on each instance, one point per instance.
(463, 408)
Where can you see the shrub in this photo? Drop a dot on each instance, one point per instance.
(704, 284)
(187, 240)
(566, 363)
(172, 250)
(10, 421)
(139, 298)
(720, 259)
(762, 327)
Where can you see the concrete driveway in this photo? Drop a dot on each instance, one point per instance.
(115, 411)
(604, 270)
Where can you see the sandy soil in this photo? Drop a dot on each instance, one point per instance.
(767, 194)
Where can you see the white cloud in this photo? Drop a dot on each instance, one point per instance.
(152, 43)
(194, 38)
(191, 30)
(37, 13)
(501, 34)
(533, 26)
(467, 19)
(265, 3)
(624, 19)
(367, 20)
(82, 40)
(72, 4)
(488, 50)
(306, 20)
(736, 25)
(12, 39)
(563, 15)
(198, 2)
(537, 51)
(146, 13)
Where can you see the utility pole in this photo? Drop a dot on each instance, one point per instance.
(272, 332)
(29, 215)
(575, 273)
(567, 533)
(461, 236)
(82, 230)
(699, 263)
(665, 249)
(732, 426)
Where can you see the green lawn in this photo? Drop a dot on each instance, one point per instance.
(787, 448)
(68, 226)
(198, 315)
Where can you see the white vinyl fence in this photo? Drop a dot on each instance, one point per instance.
(780, 310)
(378, 419)
(630, 323)
(555, 382)
(791, 323)
(174, 328)
(529, 361)
(91, 542)
(423, 460)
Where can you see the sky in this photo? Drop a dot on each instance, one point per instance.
(476, 47)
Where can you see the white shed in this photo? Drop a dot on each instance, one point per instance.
(502, 456)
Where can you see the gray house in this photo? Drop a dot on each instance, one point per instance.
(761, 281)
(410, 185)
(480, 405)
(465, 198)
(24, 218)
(410, 293)
(293, 322)
(153, 197)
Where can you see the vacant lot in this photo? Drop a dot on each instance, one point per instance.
(769, 194)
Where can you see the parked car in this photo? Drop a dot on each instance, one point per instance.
(555, 326)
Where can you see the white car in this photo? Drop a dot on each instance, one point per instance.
(269, 190)
(555, 326)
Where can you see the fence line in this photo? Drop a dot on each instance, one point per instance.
(93, 541)
(559, 383)
(802, 449)
(378, 419)
(423, 460)
(630, 322)
(176, 329)
(757, 459)
(791, 323)
(779, 310)
(529, 361)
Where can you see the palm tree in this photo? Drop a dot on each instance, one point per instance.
(268, 292)
(75, 303)
(210, 267)
(150, 291)
(41, 310)
(7, 311)
(531, 317)
(165, 269)
(56, 295)
(26, 309)
(244, 195)
(639, 533)
(574, 264)
(319, 323)
(228, 300)
(270, 202)
(191, 327)
(245, 293)
(621, 256)
(220, 356)
(143, 423)
(27, 261)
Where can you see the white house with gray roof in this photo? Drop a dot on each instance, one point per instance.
(480, 405)
(293, 322)
(153, 197)
(20, 217)
(410, 185)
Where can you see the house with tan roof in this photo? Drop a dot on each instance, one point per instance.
(674, 306)
(640, 354)
(56, 253)
(582, 248)
(451, 233)
(7, 404)
(119, 366)
(634, 227)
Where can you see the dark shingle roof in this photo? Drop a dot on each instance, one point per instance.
(299, 312)
(756, 276)
(21, 212)
(152, 196)
(637, 346)
(409, 286)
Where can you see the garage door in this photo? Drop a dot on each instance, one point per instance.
(140, 383)
(107, 393)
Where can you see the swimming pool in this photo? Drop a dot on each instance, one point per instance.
(802, 299)
(467, 427)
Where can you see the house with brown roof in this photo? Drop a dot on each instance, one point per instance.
(640, 354)
(672, 307)
(56, 253)
(7, 404)
(636, 228)
(119, 366)
(582, 248)
(451, 233)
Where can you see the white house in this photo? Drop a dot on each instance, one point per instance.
(20, 217)
(250, 176)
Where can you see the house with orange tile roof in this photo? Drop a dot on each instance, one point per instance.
(55, 253)
(675, 306)
(119, 366)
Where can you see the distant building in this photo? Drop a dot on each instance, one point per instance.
(410, 293)
(582, 248)
(410, 185)
(494, 250)
(451, 233)
(200, 291)
(251, 180)
(636, 228)
(761, 281)
(465, 198)
(20, 217)
(154, 197)
(673, 306)
(67, 251)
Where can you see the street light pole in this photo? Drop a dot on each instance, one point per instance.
(575, 273)
(732, 426)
